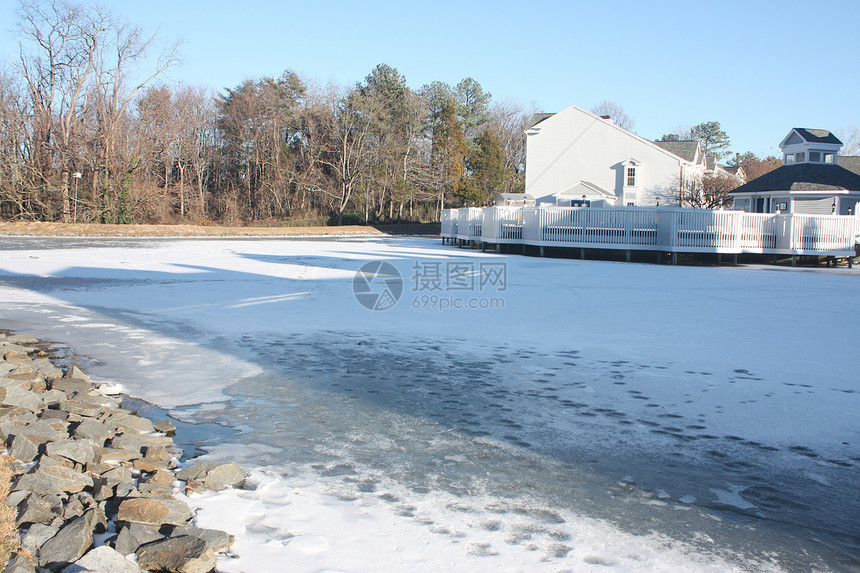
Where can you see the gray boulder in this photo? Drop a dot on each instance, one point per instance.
(69, 544)
(215, 539)
(19, 564)
(79, 451)
(103, 560)
(213, 475)
(133, 535)
(37, 535)
(75, 372)
(33, 510)
(51, 480)
(183, 554)
(153, 511)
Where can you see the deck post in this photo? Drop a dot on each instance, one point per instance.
(582, 253)
(524, 249)
(659, 257)
(794, 260)
(541, 250)
(628, 255)
(719, 259)
(498, 247)
(735, 259)
(674, 258)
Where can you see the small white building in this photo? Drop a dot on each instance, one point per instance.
(813, 179)
(575, 157)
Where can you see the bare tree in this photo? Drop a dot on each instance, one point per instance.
(616, 114)
(850, 137)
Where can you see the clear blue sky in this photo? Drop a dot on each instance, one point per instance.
(758, 67)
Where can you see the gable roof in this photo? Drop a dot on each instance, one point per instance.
(804, 177)
(817, 135)
(574, 190)
(685, 149)
(539, 117)
(850, 162)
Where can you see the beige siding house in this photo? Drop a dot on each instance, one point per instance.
(575, 157)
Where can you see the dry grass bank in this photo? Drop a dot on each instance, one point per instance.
(97, 230)
(8, 532)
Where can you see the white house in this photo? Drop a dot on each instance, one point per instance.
(575, 157)
(813, 179)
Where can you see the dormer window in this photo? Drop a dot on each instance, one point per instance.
(815, 157)
(829, 158)
(800, 157)
(789, 158)
(631, 176)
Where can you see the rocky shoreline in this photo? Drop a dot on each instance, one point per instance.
(99, 486)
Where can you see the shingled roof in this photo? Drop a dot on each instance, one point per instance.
(684, 149)
(850, 162)
(817, 135)
(539, 117)
(804, 177)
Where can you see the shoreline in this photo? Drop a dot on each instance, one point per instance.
(91, 230)
(95, 486)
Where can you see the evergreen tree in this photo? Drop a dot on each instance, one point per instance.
(714, 140)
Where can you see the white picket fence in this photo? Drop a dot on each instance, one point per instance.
(655, 229)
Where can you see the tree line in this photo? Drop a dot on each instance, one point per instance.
(89, 134)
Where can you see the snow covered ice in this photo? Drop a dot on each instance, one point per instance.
(628, 416)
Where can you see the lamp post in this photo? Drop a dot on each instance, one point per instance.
(76, 175)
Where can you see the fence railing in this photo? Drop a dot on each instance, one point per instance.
(665, 229)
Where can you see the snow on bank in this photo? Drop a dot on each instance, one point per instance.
(754, 353)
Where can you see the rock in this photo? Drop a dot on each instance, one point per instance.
(123, 420)
(19, 564)
(16, 497)
(118, 475)
(146, 465)
(165, 427)
(214, 475)
(103, 560)
(22, 339)
(76, 373)
(71, 386)
(33, 510)
(24, 449)
(108, 455)
(44, 366)
(48, 480)
(69, 544)
(157, 453)
(150, 511)
(39, 428)
(79, 451)
(215, 539)
(22, 398)
(81, 408)
(183, 554)
(138, 442)
(16, 358)
(161, 477)
(53, 398)
(37, 535)
(103, 489)
(133, 535)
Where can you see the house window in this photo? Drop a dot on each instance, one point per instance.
(829, 158)
(789, 158)
(801, 157)
(631, 177)
(814, 156)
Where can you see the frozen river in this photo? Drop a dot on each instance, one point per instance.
(569, 415)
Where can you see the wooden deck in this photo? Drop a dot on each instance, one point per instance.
(669, 230)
